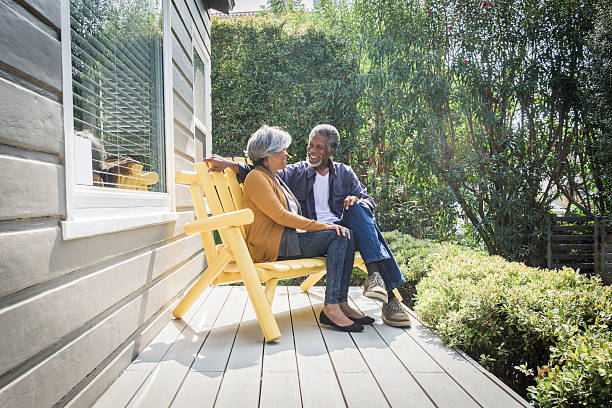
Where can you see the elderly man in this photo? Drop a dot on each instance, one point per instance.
(331, 192)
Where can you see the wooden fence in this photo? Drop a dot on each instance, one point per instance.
(581, 243)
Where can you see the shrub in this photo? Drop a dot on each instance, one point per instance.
(553, 323)
(416, 258)
(581, 374)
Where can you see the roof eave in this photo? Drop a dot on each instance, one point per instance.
(224, 6)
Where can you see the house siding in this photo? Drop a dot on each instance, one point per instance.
(74, 314)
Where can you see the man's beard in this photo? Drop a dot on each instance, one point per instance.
(315, 164)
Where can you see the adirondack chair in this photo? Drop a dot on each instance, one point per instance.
(136, 179)
(230, 261)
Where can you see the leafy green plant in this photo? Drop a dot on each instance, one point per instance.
(581, 374)
(519, 320)
(272, 70)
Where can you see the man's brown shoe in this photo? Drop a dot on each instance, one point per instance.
(395, 313)
(374, 288)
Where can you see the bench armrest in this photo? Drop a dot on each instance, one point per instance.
(222, 221)
(186, 177)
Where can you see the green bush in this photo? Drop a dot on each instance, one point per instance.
(272, 70)
(550, 324)
(416, 258)
(581, 375)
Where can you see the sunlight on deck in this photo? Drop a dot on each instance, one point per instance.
(216, 356)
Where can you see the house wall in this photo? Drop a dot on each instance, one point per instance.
(73, 314)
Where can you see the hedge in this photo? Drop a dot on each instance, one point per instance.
(545, 332)
(268, 70)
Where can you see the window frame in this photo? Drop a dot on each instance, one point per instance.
(92, 210)
(205, 128)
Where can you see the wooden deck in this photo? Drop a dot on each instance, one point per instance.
(216, 356)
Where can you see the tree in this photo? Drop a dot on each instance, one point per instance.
(597, 101)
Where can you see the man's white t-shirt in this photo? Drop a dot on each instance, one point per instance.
(321, 197)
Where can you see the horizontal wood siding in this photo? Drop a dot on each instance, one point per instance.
(81, 300)
(47, 10)
(181, 29)
(30, 188)
(24, 265)
(73, 314)
(183, 113)
(183, 141)
(19, 127)
(183, 88)
(39, 59)
(182, 61)
(183, 197)
(84, 397)
(49, 381)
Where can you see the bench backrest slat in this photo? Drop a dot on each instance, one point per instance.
(208, 185)
(235, 188)
(220, 180)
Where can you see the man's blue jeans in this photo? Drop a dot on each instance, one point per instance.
(371, 244)
(340, 253)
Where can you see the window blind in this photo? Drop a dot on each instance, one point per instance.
(117, 90)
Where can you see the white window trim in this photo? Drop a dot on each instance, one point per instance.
(205, 128)
(97, 210)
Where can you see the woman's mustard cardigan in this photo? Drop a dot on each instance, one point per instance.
(263, 195)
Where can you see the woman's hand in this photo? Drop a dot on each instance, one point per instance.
(340, 230)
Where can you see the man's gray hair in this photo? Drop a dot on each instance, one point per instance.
(266, 142)
(328, 131)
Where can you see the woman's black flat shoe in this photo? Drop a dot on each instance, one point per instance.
(355, 327)
(363, 320)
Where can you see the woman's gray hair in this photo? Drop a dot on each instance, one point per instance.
(327, 131)
(266, 142)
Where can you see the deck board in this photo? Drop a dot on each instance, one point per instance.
(394, 379)
(126, 387)
(473, 381)
(241, 383)
(436, 383)
(206, 374)
(280, 380)
(162, 385)
(216, 356)
(317, 377)
(358, 385)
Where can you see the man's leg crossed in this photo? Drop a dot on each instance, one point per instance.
(375, 252)
(371, 244)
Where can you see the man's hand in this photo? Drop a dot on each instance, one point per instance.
(349, 201)
(218, 163)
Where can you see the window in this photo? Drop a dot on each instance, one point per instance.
(117, 90)
(201, 98)
(199, 89)
(115, 116)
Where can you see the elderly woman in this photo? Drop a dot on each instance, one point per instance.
(280, 232)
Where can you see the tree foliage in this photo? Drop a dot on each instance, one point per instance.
(268, 71)
(451, 110)
(597, 102)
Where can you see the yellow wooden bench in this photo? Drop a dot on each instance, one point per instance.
(136, 179)
(230, 261)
